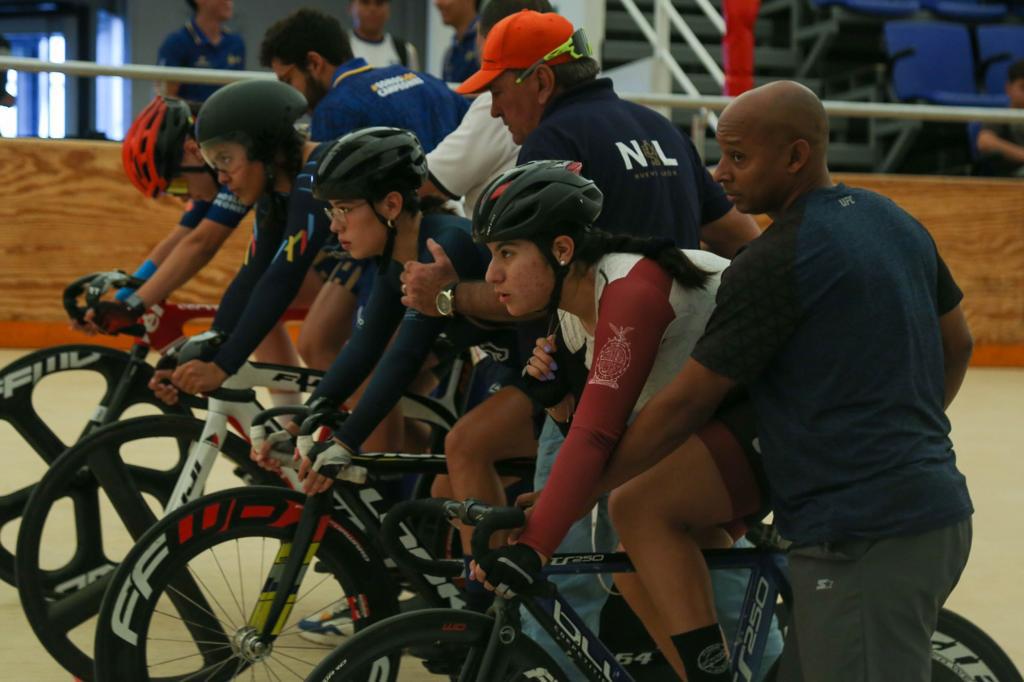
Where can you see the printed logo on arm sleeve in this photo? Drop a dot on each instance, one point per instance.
(229, 202)
(614, 358)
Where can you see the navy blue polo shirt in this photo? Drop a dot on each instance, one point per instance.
(461, 60)
(189, 46)
(831, 319)
(362, 96)
(653, 181)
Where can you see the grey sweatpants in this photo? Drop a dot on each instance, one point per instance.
(865, 611)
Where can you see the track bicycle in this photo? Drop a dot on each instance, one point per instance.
(124, 378)
(241, 595)
(455, 644)
(123, 461)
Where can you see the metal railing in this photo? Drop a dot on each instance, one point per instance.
(702, 104)
(133, 71)
(659, 38)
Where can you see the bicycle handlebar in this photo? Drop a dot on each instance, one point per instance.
(492, 519)
(486, 518)
(330, 418)
(391, 537)
(93, 286)
(258, 430)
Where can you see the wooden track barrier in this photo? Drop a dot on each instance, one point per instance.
(66, 210)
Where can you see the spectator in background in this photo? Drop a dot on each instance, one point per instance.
(309, 51)
(6, 98)
(481, 147)
(1002, 144)
(370, 41)
(463, 56)
(204, 42)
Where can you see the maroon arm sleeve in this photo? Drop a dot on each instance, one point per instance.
(632, 317)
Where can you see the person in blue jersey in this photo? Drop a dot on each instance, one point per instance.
(462, 57)
(160, 155)
(371, 178)
(258, 155)
(310, 51)
(204, 42)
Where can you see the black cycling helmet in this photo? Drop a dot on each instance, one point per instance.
(260, 114)
(369, 163)
(537, 201)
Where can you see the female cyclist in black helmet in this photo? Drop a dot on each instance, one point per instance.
(246, 132)
(635, 308)
(371, 178)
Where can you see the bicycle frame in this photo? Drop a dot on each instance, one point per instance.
(767, 581)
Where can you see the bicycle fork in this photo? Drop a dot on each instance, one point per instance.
(282, 584)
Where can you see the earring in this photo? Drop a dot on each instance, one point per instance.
(391, 224)
(561, 262)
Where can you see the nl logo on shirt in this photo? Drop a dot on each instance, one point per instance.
(643, 154)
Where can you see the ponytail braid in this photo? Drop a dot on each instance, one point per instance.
(593, 244)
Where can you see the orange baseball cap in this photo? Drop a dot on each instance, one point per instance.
(517, 42)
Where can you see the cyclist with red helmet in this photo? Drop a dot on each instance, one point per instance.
(160, 156)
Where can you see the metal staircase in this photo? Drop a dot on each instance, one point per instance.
(777, 55)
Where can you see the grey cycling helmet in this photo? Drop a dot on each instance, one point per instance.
(536, 201)
(259, 114)
(369, 163)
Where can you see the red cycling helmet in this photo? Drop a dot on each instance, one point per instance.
(152, 148)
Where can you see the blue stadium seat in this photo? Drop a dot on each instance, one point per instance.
(967, 10)
(998, 47)
(883, 9)
(932, 61)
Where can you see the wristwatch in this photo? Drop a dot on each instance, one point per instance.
(445, 300)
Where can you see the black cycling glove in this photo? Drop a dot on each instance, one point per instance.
(511, 569)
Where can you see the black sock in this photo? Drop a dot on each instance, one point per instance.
(703, 653)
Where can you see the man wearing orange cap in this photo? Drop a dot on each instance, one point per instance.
(544, 85)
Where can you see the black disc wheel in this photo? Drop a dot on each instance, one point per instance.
(31, 390)
(434, 644)
(110, 487)
(188, 602)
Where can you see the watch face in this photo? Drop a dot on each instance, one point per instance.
(444, 303)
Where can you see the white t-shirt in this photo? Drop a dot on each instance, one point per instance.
(472, 154)
(692, 308)
(383, 52)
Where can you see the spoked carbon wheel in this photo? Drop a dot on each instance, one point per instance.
(36, 439)
(100, 488)
(963, 651)
(185, 602)
(960, 651)
(433, 644)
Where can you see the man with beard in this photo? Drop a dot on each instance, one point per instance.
(309, 51)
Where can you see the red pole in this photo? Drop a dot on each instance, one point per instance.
(738, 44)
